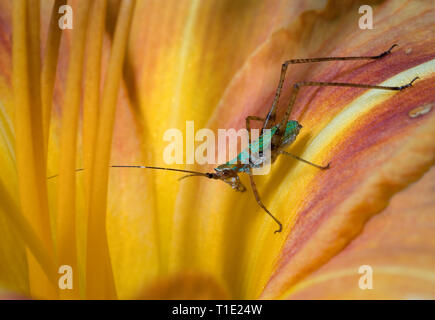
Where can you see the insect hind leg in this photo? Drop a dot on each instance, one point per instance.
(271, 115)
(297, 86)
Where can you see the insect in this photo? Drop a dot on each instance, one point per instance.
(282, 133)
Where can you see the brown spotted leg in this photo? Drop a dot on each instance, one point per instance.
(248, 125)
(278, 137)
(269, 122)
(260, 203)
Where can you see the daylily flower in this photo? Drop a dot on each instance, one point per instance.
(105, 92)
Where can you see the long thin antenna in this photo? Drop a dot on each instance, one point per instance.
(148, 167)
(161, 168)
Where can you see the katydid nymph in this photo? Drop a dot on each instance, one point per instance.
(282, 133)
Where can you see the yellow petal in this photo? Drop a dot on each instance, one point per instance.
(182, 57)
(100, 277)
(66, 211)
(30, 159)
(185, 286)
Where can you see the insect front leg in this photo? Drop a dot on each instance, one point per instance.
(260, 203)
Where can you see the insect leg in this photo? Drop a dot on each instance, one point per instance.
(298, 85)
(303, 160)
(192, 173)
(270, 118)
(248, 126)
(260, 203)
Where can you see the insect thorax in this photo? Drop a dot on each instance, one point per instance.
(253, 156)
(291, 132)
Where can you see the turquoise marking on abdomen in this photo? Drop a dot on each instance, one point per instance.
(241, 162)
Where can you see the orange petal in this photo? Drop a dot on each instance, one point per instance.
(336, 121)
(374, 146)
(398, 244)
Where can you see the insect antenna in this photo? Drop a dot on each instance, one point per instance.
(192, 173)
